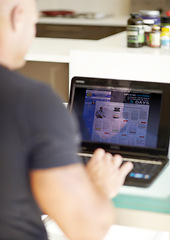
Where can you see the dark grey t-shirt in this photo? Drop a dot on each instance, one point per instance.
(36, 132)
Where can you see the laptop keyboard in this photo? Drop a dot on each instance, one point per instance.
(141, 170)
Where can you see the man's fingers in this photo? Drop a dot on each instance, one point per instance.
(108, 159)
(117, 161)
(96, 160)
(98, 154)
(126, 168)
(100, 157)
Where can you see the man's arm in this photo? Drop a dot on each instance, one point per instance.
(69, 196)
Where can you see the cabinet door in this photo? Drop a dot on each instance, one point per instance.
(54, 74)
(77, 31)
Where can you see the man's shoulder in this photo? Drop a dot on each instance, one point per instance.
(26, 91)
(19, 83)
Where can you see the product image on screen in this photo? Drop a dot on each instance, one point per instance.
(120, 116)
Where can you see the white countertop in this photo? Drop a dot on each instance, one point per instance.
(114, 232)
(112, 20)
(54, 50)
(58, 50)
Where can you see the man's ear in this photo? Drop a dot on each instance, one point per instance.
(16, 17)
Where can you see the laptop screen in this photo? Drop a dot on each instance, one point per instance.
(121, 116)
(119, 113)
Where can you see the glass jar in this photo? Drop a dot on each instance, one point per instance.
(135, 31)
(155, 37)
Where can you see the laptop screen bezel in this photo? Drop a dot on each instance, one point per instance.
(164, 128)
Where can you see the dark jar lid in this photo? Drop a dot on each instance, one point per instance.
(136, 15)
(165, 19)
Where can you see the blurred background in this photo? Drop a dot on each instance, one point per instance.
(116, 7)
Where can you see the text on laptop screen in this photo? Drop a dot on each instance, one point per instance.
(121, 116)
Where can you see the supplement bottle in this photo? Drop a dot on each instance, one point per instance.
(165, 38)
(135, 31)
(150, 17)
(155, 37)
(165, 21)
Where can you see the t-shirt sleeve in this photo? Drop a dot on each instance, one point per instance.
(51, 133)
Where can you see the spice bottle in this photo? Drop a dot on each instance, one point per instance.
(135, 31)
(155, 37)
(165, 38)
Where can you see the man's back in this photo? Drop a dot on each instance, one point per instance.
(25, 140)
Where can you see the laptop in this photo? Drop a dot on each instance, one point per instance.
(130, 118)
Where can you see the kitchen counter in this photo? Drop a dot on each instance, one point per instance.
(55, 50)
(114, 232)
(58, 50)
(127, 63)
(111, 58)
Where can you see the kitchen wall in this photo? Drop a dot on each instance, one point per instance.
(162, 5)
(117, 7)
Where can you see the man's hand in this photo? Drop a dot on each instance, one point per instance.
(107, 173)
